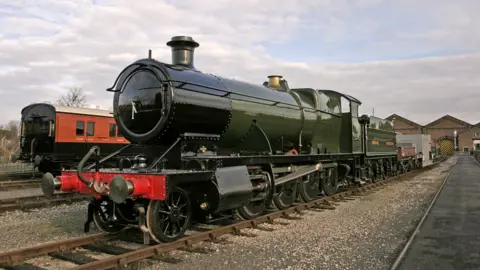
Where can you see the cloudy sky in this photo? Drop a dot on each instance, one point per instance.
(416, 58)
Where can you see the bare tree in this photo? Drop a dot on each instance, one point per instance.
(74, 98)
(9, 139)
(14, 128)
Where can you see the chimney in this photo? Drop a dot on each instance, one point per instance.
(182, 50)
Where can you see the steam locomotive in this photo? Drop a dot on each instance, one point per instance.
(224, 148)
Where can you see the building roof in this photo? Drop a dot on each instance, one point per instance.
(451, 118)
(398, 117)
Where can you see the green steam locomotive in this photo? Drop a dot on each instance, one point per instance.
(225, 148)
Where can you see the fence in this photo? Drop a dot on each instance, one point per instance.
(8, 167)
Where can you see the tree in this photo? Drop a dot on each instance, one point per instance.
(9, 140)
(74, 98)
(14, 129)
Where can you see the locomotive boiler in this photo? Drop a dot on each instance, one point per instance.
(225, 148)
(155, 103)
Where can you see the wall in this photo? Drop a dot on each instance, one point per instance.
(446, 126)
(404, 128)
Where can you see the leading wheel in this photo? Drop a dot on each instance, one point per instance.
(169, 219)
(104, 218)
(309, 187)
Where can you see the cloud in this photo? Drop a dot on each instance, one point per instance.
(416, 59)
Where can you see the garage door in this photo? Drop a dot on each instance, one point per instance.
(446, 147)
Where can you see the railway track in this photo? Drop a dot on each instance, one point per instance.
(31, 202)
(117, 257)
(18, 176)
(20, 184)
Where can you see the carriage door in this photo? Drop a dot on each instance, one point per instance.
(81, 145)
(90, 139)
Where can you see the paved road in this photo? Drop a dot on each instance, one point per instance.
(450, 235)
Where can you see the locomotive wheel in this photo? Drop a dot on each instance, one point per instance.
(329, 183)
(125, 212)
(286, 196)
(256, 207)
(102, 216)
(309, 187)
(168, 220)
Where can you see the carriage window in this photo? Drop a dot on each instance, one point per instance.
(80, 128)
(113, 129)
(90, 128)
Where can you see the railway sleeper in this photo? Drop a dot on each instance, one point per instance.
(73, 257)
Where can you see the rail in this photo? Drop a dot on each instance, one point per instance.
(20, 184)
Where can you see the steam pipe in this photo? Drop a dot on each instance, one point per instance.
(83, 161)
(109, 156)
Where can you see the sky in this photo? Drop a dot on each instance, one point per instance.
(419, 59)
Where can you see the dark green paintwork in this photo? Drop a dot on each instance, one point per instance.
(380, 130)
(309, 117)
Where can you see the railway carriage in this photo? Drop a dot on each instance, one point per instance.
(224, 148)
(55, 137)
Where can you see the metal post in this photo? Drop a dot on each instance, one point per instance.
(455, 140)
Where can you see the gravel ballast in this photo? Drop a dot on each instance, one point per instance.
(366, 233)
(24, 229)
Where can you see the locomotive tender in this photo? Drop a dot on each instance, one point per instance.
(224, 148)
